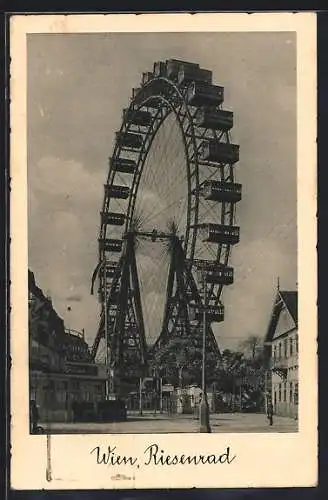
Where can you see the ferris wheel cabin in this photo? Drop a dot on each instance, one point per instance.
(137, 117)
(219, 152)
(129, 140)
(203, 94)
(159, 69)
(222, 275)
(110, 245)
(109, 270)
(221, 191)
(183, 72)
(214, 314)
(146, 77)
(188, 74)
(123, 165)
(112, 218)
(215, 273)
(170, 68)
(135, 92)
(217, 119)
(173, 67)
(219, 233)
(113, 294)
(116, 191)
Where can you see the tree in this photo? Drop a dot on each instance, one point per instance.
(181, 360)
(242, 374)
(252, 346)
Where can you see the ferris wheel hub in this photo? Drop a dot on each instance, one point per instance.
(153, 235)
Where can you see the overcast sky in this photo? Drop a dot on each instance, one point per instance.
(77, 88)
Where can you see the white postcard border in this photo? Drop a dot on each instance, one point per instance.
(262, 460)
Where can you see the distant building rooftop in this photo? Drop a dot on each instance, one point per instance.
(72, 341)
(289, 299)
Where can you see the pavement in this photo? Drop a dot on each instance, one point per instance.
(148, 423)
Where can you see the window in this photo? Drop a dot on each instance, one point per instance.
(61, 397)
(76, 385)
(279, 350)
(285, 348)
(285, 392)
(296, 341)
(296, 394)
(61, 386)
(35, 350)
(291, 341)
(75, 396)
(279, 393)
(290, 392)
(274, 351)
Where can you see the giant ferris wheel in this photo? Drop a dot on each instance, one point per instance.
(168, 212)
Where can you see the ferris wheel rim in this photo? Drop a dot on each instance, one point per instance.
(140, 101)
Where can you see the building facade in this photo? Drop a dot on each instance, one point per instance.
(61, 371)
(282, 338)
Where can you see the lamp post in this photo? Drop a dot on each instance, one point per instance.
(107, 354)
(140, 395)
(161, 395)
(69, 309)
(204, 411)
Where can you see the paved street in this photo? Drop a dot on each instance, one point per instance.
(152, 424)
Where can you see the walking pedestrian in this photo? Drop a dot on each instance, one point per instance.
(155, 402)
(34, 417)
(270, 411)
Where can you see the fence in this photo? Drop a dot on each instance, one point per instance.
(171, 404)
(152, 403)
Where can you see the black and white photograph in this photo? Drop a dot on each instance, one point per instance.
(167, 162)
(163, 241)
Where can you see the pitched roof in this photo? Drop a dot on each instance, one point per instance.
(290, 300)
(56, 321)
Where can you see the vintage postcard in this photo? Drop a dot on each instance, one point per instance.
(163, 251)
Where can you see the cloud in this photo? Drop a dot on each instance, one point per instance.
(248, 307)
(64, 202)
(74, 298)
(66, 178)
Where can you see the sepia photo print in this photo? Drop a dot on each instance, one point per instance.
(164, 274)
